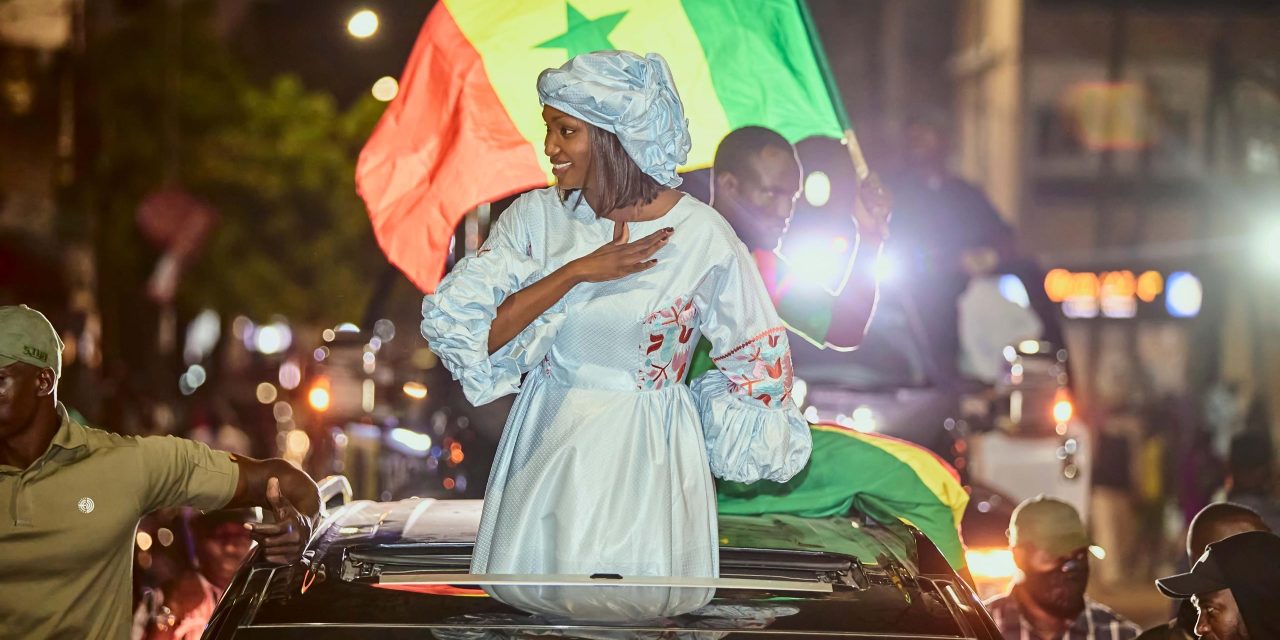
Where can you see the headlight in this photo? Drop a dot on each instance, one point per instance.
(991, 564)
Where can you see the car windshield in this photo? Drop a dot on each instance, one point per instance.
(891, 355)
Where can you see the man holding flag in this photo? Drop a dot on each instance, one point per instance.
(755, 182)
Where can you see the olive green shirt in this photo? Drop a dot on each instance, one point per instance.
(67, 525)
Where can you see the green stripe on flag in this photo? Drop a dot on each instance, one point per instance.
(764, 67)
(848, 470)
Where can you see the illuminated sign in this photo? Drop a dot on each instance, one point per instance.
(1120, 294)
(1110, 115)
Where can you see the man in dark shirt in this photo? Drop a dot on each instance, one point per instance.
(938, 220)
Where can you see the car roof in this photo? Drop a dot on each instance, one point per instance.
(872, 574)
(455, 522)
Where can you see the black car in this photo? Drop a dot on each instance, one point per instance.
(400, 570)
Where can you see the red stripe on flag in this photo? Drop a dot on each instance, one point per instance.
(444, 145)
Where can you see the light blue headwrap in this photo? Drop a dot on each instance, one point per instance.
(632, 97)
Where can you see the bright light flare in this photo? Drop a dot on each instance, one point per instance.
(290, 375)
(385, 89)
(1062, 411)
(817, 189)
(1266, 249)
(815, 261)
(418, 391)
(266, 393)
(363, 24)
(887, 269)
(420, 442)
(318, 396)
(297, 443)
(1183, 295)
(273, 338)
(1013, 290)
(991, 564)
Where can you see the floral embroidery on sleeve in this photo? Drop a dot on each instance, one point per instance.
(669, 344)
(760, 367)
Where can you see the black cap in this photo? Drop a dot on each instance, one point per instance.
(1249, 565)
(1205, 577)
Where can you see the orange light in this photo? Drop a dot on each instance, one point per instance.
(1119, 283)
(318, 396)
(455, 456)
(1085, 285)
(991, 564)
(1057, 284)
(1150, 285)
(1062, 407)
(415, 390)
(449, 484)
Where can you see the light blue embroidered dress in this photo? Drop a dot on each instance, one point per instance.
(605, 463)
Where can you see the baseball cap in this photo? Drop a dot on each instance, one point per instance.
(27, 336)
(1049, 524)
(1246, 554)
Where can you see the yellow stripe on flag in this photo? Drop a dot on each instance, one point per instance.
(926, 466)
(660, 26)
(507, 33)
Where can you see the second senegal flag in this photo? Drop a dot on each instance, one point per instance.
(466, 127)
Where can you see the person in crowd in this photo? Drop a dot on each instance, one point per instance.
(72, 496)
(1235, 587)
(988, 321)
(1215, 522)
(603, 464)
(1051, 549)
(185, 605)
(755, 182)
(941, 222)
(1251, 476)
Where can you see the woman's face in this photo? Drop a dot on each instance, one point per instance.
(568, 146)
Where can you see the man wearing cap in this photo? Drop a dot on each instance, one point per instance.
(1051, 548)
(1215, 522)
(1235, 586)
(71, 497)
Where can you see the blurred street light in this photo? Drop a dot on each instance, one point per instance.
(386, 88)
(1183, 295)
(817, 189)
(1266, 249)
(363, 24)
(318, 397)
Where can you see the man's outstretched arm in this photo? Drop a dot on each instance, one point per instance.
(290, 494)
(855, 305)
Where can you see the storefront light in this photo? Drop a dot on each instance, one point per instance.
(1184, 295)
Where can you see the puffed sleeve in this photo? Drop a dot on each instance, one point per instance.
(753, 429)
(456, 318)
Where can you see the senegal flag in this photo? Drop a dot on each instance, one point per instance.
(885, 478)
(466, 126)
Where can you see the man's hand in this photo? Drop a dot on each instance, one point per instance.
(291, 496)
(284, 540)
(872, 208)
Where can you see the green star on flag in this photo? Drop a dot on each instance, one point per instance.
(466, 127)
(583, 34)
